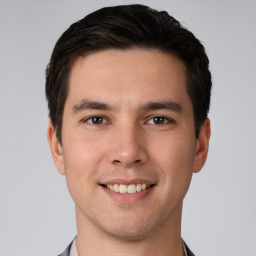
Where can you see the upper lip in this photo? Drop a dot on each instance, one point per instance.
(128, 181)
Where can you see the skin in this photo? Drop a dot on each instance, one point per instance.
(130, 140)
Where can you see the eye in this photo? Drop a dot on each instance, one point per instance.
(96, 120)
(160, 120)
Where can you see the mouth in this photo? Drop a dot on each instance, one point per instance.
(128, 189)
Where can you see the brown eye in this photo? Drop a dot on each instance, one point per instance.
(160, 120)
(96, 120)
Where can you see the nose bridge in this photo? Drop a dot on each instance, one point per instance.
(127, 145)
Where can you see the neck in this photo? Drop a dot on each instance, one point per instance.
(164, 241)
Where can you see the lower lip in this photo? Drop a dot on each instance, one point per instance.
(128, 197)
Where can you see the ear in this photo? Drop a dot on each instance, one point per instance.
(202, 145)
(56, 148)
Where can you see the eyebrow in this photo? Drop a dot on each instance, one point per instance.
(169, 105)
(88, 104)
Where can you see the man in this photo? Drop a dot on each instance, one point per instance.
(128, 92)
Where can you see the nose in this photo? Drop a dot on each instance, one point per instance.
(128, 146)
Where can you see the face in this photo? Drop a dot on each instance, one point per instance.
(128, 141)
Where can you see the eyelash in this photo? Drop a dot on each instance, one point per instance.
(164, 120)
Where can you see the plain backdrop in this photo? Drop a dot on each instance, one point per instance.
(37, 214)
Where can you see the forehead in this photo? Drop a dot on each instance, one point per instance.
(128, 74)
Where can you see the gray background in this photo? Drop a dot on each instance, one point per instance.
(36, 212)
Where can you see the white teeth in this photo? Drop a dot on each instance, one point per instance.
(143, 187)
(123, 189)
(138, 188)
(116, 187)
(132, 189)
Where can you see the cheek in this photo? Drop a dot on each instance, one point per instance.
(81, 160)
(176, 151)
(81, 154)
(176, 160)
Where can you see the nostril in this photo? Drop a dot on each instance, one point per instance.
(116, 162)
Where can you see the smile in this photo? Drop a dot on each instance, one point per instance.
(124, 189)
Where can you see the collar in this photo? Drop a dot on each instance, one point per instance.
(73, 250)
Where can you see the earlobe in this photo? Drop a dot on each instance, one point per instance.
(202, 145)
(55, 148)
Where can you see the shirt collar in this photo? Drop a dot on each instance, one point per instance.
(73, 250)
(184, 249)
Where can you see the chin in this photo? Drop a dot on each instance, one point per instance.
(128, 234)
(129, 228)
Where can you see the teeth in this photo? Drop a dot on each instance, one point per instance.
(138, 188)
(123, 189)
(131, 189)
(116, 187)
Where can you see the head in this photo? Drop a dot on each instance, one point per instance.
(122, 28)
(128, 91)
